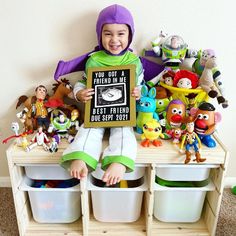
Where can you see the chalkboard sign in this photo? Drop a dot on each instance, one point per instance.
(112, 104)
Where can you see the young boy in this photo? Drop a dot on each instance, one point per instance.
(115, 30)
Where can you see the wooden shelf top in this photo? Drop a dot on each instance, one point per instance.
(168, 153)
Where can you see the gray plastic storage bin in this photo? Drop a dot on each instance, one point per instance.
(118, 204)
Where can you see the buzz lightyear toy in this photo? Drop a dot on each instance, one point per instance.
(61, 125)
(172, 50)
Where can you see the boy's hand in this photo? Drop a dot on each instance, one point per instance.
(85, 94)
(136, 93)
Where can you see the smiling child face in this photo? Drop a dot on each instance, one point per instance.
(115, 38)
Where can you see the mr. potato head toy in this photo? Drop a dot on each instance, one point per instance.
(205, 122)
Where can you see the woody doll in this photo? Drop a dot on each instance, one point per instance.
(191, 139)
(38, 109)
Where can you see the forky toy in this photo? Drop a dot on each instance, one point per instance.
(21, 139)
(39, 139)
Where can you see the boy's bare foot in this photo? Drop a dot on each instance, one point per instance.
(78, 169)
(114, 173)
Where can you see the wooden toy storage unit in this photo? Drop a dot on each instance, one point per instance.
(146, 224)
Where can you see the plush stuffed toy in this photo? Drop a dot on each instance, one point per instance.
(165, 76)
(171, 49)
(151, 133)
(207, 82)
(35, 112)
(146, 108)
(168, 78)
(199, 66)
(185, 79)
(162, 101)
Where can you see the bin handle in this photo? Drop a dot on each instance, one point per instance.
(25, 186)
(37, 164)
(92, 187)
(209, 187)
(187, 166)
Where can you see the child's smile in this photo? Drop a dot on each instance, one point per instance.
(115, 38)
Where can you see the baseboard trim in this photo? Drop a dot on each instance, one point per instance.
(229, 182)
(5, 182)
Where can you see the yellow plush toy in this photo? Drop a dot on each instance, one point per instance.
(151, 132)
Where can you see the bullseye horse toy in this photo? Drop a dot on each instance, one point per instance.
(61, 89)
(56, 103)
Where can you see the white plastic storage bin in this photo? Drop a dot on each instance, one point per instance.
(179, 204)
(53, 205)
(117, 204)
(49, 171)
(182, 172)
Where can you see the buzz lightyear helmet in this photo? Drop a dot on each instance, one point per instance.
(174, 47)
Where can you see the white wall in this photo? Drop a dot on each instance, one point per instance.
(36, 34)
